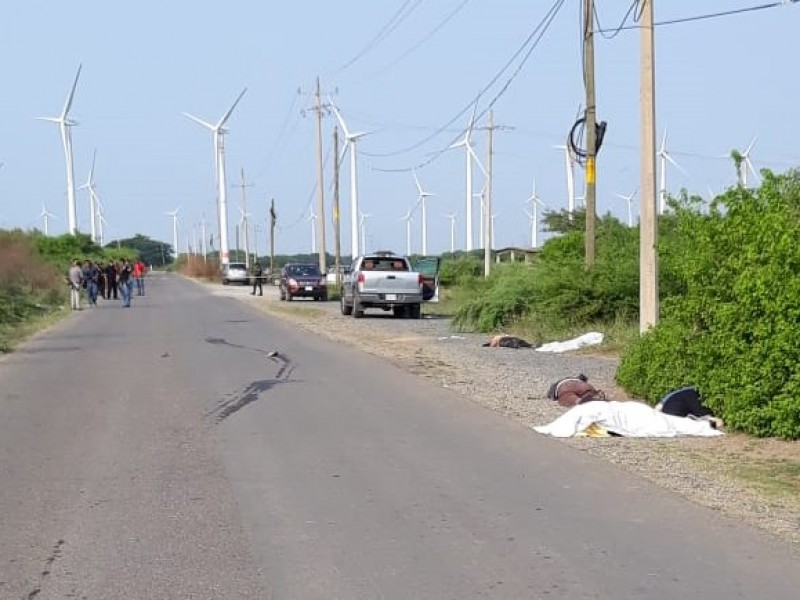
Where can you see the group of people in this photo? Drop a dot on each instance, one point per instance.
(115, 279)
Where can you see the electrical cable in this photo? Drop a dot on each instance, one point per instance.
(726, 13)
(447, 18)
(400, 15)
(297, 221)
(540, 29)
(617, 30)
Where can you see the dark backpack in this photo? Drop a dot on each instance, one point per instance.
(570, 391)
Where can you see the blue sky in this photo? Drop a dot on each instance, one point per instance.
(719, 83)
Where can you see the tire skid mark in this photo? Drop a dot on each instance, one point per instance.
(54, 555)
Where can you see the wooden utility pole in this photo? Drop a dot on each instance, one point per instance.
(487, 210)
(648, 223)
(591, 131)
(337, 234)
(323, 267)
(245, 222)
(273, 217)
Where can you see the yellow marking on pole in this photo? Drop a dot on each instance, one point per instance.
(590, 173)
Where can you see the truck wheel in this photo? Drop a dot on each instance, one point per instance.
(346, 309)
(415, 311)
(282, 294)
(358, 310)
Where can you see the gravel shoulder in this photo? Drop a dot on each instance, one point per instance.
(752, 480)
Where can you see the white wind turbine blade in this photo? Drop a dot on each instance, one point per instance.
(672, 161)
(68, 103)
(199, 121)
(227, 115)
(750, 146)
(341, 120)
(663, 149)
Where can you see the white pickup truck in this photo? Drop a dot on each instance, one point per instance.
(384, 281)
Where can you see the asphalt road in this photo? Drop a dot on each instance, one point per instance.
(160, 452)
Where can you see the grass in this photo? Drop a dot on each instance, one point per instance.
(12, 335)
(774, 477)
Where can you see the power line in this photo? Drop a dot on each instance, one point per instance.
(447, 18)
(716, 15)
(536, 37)
(540, 29)
(400, 15)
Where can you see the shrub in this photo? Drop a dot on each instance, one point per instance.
(733, 333)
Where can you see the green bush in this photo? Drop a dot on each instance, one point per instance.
(458, 271)
(733, 332)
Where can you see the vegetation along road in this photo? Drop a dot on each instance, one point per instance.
(196, 447)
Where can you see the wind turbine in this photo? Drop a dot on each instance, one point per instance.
(46, 216)
(533, 215)
(408, 219)
(219, 132)
(452, 218)
(363, 224)
(174, 215)
(312, 218)
(466, 142)
(747, 164)
(629, 199)
(350, 143)
(93, 209)
(665, 157)
(64, 124)
(569, 164)
(421, 200)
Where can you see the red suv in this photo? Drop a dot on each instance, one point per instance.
(303, 281)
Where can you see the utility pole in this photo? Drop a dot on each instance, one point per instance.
(591, 130)
(273, 217)
(648, 222)
(320, 187)
(245, 223)
(336, 214)
(487, 213)
(203, 237)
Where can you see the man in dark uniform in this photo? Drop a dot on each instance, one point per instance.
(256, 274)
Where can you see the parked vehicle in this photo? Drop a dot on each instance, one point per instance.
(331, 276)
(235, 272)
(382, 280)
(303, 281)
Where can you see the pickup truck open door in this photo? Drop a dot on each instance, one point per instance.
(428, 267)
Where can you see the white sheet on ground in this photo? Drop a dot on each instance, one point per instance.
(587, 339)
(631, 419)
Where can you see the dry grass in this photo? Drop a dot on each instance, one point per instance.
(200, 269)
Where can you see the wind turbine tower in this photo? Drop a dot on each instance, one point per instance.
(64, 125)
(629, 200)
(218, 130)
(569, 164)
(350, 143)
(408, 219)
(452, 218)
(533, 215)
(466, 142)
(422, 201)
(312, 218)
(363, 223)
(665, 158)
(174, 215)
(46, 216)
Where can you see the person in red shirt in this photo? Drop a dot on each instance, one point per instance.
(139, 270)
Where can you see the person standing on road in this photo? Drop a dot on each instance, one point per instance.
(124, 274)
(90, 277)
(138, 276)
(75, 279)
(111, 280)
(257, 274)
